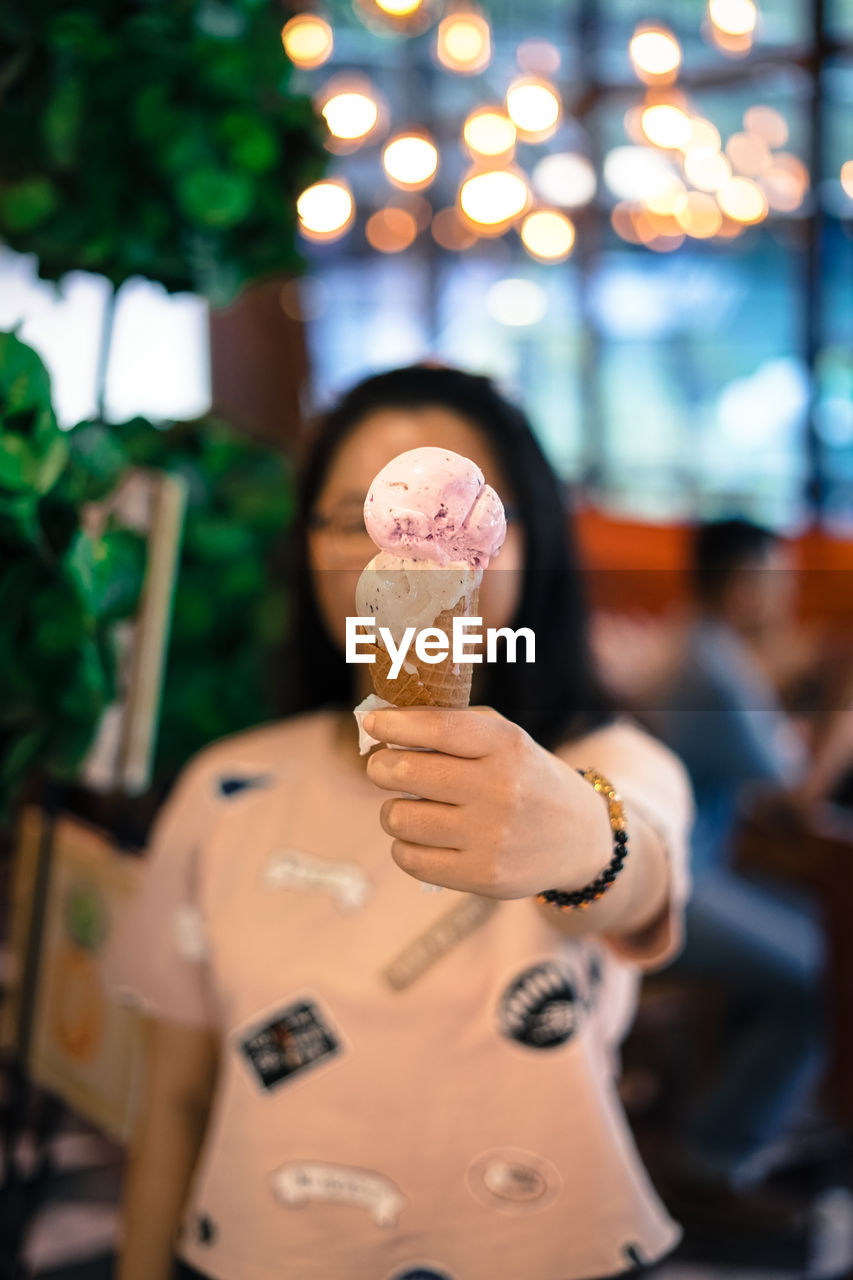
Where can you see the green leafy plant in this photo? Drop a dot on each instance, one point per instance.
(230, 608)
(56, 665)
(157, 138)
(63, 589)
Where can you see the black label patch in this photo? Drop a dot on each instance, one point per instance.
(540, 1007)
(297, 1038)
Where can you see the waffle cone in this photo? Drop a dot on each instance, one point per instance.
(439, 684)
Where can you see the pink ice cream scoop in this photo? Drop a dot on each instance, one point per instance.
(432, 504)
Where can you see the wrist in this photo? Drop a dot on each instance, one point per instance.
(608, 848)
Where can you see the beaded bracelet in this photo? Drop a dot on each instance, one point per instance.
(597, 888)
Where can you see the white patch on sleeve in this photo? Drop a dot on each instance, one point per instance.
(189, 933)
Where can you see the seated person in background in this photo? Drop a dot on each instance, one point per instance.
(721, 713)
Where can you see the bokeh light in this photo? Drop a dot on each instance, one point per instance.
(655, 53)
(847, 178)
(666, 126)
(743, 201)
(566, 179)
(785, 183)
(548, 235)
(538, 57)
(488, 131)
(517, 303)
(410, 160)
(391, 230)
(637, 173)
(703, 134)
(493, 197)
(534, 107)
(749, 154)
(767, 123)
(451, 232)
(706, 168)
(733, 17)
(399, 8)
(464, 42)
(698, 215)
(308, 40)
(325, 209)
(350, 114)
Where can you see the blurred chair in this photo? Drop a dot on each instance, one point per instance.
(813, 850)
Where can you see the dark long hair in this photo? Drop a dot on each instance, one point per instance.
(560, 695)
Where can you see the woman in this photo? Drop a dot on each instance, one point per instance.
(351, 1078)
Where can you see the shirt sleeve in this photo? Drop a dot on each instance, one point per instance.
(654, 785)
(157, 959)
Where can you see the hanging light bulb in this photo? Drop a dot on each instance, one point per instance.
(655, 53)
(548, 235)
(534, 107)
(326, 210)
(492, 198)
(308, 40)
(464, 41)
(489, 132)
(410, 160)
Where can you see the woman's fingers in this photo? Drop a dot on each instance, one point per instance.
(456, 732)
(422, 822)
(429, 774)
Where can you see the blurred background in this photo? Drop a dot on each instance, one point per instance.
(214, 217)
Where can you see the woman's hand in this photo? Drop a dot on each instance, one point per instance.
(499, 815)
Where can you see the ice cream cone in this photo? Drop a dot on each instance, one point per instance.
(439, 684)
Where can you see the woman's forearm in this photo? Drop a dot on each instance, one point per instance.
(179, 1074)
(161, 1163)
(637, 896)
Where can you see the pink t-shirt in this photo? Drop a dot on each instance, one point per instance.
(413, 1085)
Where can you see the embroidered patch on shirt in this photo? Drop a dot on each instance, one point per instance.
(189, 933)
(205, 1229)
(343, 881)
(513, 1181)
(232, 785)
(540, 1008)
(442, 936)
(420, 1273)
(633, 1253)
(295, 1184)
(297, 1038)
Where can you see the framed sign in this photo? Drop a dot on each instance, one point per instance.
(151, 504)
(83, 1044)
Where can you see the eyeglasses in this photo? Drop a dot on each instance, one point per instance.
(346, 537)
